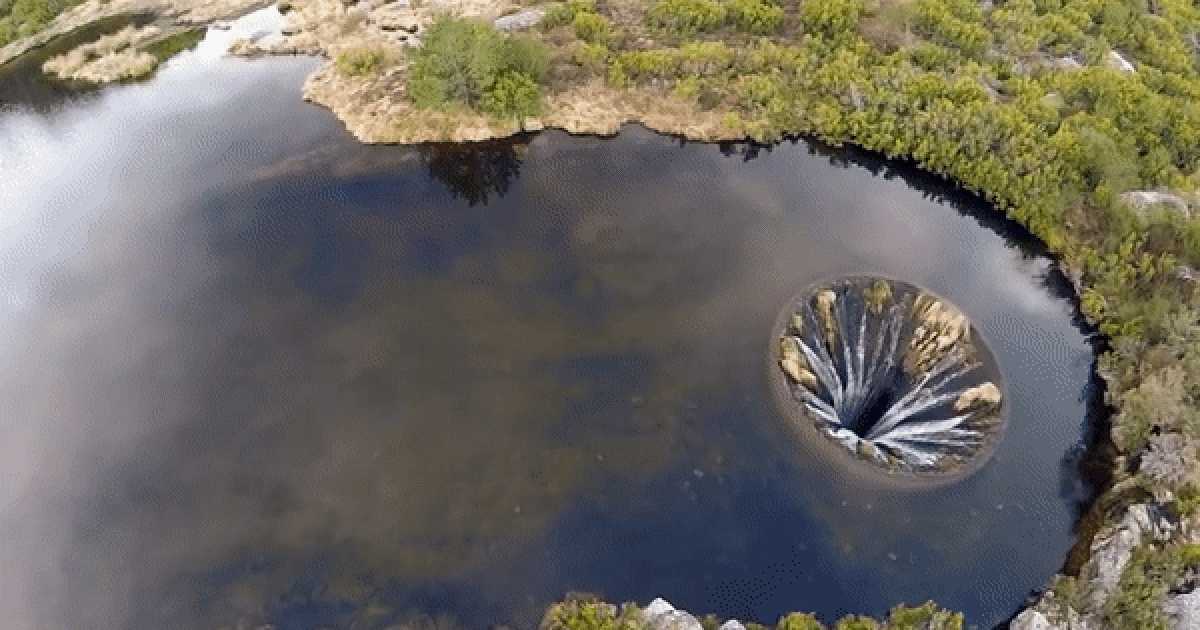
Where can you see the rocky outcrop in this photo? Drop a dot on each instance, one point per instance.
(1111, 551)
(1183, 611)
(1144, 199)
(660, 615)
(1171, 460)
(1051, 619)
(1113, 548)
(521, 20)
(1119, 63)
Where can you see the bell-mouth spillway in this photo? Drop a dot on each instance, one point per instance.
(894, 376)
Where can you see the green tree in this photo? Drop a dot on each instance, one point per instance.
(463, 60)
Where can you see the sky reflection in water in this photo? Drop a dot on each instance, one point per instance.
(261, 372)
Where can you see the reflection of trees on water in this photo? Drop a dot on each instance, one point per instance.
(938, 188)
(475, 172)
(745, 150)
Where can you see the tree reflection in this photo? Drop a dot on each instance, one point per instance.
(745, 150)
(475, 172)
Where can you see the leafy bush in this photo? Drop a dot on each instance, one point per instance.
(465, 61)
(756, 90)
(592, 615)
(640, 65)
(359, 61)
(704, 58)
(564, 14)
(687, 87)
(27, 17)
(799, 621)
(856, 623)
(759, 17)
(954, 23)
(831, 18)
(686, 17)
(591, 56)
(590, 27)
(513, 95)
(927, 616)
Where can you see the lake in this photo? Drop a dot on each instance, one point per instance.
(255, 372)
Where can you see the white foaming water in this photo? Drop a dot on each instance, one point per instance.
(903, 418)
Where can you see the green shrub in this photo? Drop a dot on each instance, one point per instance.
(591, 56)
(831, 18)
(954, 23)
(856, 623)
(640, 65)
(513, 95)
(526, 55)
(758, 17)
(592, 615)
(703, 58)
(927, 616)
(359, 61)
(799, 621)
(9, 30)
(687, 87)
(564, 14)
(686, 17)
(590, 28)
(465, 61)
(756, 90)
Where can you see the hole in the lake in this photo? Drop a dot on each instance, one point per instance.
(401, 376)
(862, 422)
(893, 374)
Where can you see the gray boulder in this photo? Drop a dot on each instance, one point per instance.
(1112, 549)
(660, 615)
(1030, 620)
(527, 18)
(1183, 610)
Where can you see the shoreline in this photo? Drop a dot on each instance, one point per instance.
(375, 110)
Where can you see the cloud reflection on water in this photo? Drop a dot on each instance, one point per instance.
(332, 373)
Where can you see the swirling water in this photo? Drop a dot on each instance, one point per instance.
(254, 371)
(895, 375)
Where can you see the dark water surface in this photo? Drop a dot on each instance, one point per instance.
(255, 371)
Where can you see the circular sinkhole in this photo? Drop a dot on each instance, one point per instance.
(893, 375)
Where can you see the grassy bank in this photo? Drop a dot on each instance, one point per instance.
(20, 18)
